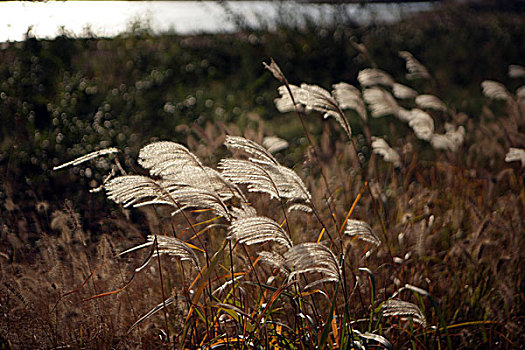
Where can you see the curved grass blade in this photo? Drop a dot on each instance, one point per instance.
(375, 337)
(328, 322)
(204, 275)
(153, 311)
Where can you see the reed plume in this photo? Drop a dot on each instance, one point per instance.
(313, 258)
(416, 70)
(396, 307)
(258, 229)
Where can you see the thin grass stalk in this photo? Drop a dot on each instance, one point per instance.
(258, 283)
(328, 322)
(201, 287)
(200, 241)
(316, 156)
(232, 271)
(314, 304)
(130, 304)
(283, 80)
(441, 320)
(300, 304)
(96, 292)
(412, 340)
(383, 225)
(345, 295)
(162, 291)
(185, 291)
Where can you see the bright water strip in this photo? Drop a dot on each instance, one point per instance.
(110, 18)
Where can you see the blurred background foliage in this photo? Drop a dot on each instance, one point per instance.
(65, 97)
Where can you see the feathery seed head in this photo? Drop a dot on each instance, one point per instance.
(422, 124)
(275, 260)
(431, 102)
(403, 92)
(274, 144)
(258, 229)
(380, 102)
(495, 90)
(167, 246)
(415, 69)
(313, 258)
(382, 148)
(349, 97)
(361, 230)
(87, 157)
(373, 76)
(515, 154)
(396, 307)
(516, 71)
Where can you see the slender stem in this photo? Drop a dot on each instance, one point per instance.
(162, 291)
(310, 141)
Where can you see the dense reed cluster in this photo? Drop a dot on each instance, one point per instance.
(378, 213)
(246, 255)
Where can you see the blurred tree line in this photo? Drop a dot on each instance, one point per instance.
(66, 97)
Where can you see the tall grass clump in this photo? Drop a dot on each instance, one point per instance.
(395, 221)
(334, 252)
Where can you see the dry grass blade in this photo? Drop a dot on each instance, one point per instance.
(396, 307)
(494, 90)
(375, 337)
(431, 102)
(415, 69)
(153, 311)
(515, 154)
(382, 148)
(349, 97)
(313, 258)
(361, 230)
(372, 76)
(403, 92)
(87, 157)
(422, 124)
(274, 144)
(258, 229)
(170, 246)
